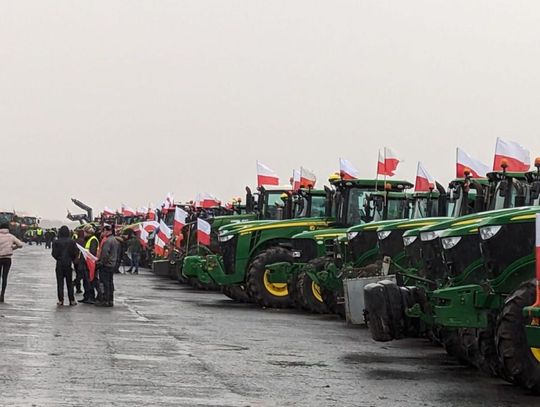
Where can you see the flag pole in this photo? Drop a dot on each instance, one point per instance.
(377, 171)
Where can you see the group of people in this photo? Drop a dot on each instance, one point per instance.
(97, 278)
(40, 236)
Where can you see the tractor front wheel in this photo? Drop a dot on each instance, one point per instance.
(520, 360)
(308, 293)
(260, 290)
(235, 292)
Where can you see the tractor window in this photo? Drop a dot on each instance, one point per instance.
(318, 206)
(300, 209)
(455, 202)
(425, 208)
(359, 208)
(502, 200)
(6, 217)
(274, 206)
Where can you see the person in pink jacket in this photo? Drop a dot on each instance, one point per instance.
(8, 243)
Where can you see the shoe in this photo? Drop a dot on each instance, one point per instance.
(60, 303)
(100, 304)
(110, 304)
(72, 303)
(135, 272)
(79, 291)
(129, 270)
(91, 302)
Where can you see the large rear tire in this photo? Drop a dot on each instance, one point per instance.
(235, 292)
(520, 361)
(334, 301)
(260, 290)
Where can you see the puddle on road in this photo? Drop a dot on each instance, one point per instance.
(291, 363)
(379, 358)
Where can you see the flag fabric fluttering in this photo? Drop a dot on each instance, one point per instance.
(108, 211)
(387, 163)
(424, 181)
(206, 200)
(295, 180)
(180, 217)
(347, 171)
(266, 175)
(127, 211)
(514, 155)
(464, 162)
(203, 232)
(162, 239)
(90, 260)
(307, 178)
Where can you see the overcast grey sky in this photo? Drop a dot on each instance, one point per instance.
(124, 100)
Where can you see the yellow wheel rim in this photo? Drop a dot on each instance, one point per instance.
(536, 353)
(316, 290)
(276, 289)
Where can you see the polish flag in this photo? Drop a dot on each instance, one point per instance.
(295, 180)
(424, 181)
(465, 162)
(127, 211)
(142, 235)
(150, 225)
(164, 232)
(266, 175)
(387, 163)
(180, 217)
(307, 178)
(142, 211)
(108, 211)
(203, 232)
(515, 155)
(151, 214)
(159, 246)
(90, 261)
(168, 203)
(347, 171)
(206, 200)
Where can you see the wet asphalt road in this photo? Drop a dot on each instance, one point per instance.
(166, 344)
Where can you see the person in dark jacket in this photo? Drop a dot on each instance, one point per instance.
(134, 248)
(64, 251)
(107, 263)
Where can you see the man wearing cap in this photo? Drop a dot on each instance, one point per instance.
(91, 243)
(107, 262)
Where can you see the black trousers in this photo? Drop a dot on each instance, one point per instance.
(67, 275)
(106, 275)
(89, 286)
(5, 265)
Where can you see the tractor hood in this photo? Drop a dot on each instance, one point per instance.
(411, 224)
(370, 226)
(233, 226)
(219, 221)
(321, 234)
(250, 227)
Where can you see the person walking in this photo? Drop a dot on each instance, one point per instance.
(8, 243)
(107, 263)
(91, 243)
(134, 250)
(64, 251)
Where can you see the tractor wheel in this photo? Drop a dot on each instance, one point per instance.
(519, 360)
(468, 342)
(260, 290)
(332, 301)
(488, 360)
(235, 292)
(308, 294)
(451, 342)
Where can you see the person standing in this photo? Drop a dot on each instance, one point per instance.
(8, 243)
(134, 249)
(91, 243)
(107, 262)
(64, 251)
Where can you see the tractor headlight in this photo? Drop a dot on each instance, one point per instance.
(489, 231)
(296, 254)
(351, 235)
(408, 240)
(429, 236)
(384, 234)
(223, 239)
(449, 242)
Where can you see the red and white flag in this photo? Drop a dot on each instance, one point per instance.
(142, 211)
(150, 225)
(151, 214)
(168, 204)
(180, 217)
(164, 233)
(203, 232)
(159, 246)
(465, 162)
(515, 155)
(266, 175)
(295, 180)
(307, 178)
(347, 171)
(90, 260)
(108, 211)
(142, 235)
(387, 163)
(127, 211)
(424, 181)
(206, 200)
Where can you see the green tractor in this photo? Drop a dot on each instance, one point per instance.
(249, 250)
(314, 251)
(14, 225)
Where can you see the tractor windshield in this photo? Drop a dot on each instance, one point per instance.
(273, 206)
(318, 206)
(389, 210)
(358, 208)
(6, 217)
(425, 207)
(505, 194)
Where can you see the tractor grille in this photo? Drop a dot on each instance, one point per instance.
(392, 245)
(434, 268)
(364, 241)
(511, 243)
(307, 248)
(413, 253)
(228, 251)
(462, 255)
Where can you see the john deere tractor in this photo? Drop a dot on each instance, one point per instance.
(313, 250)
(249, 250)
